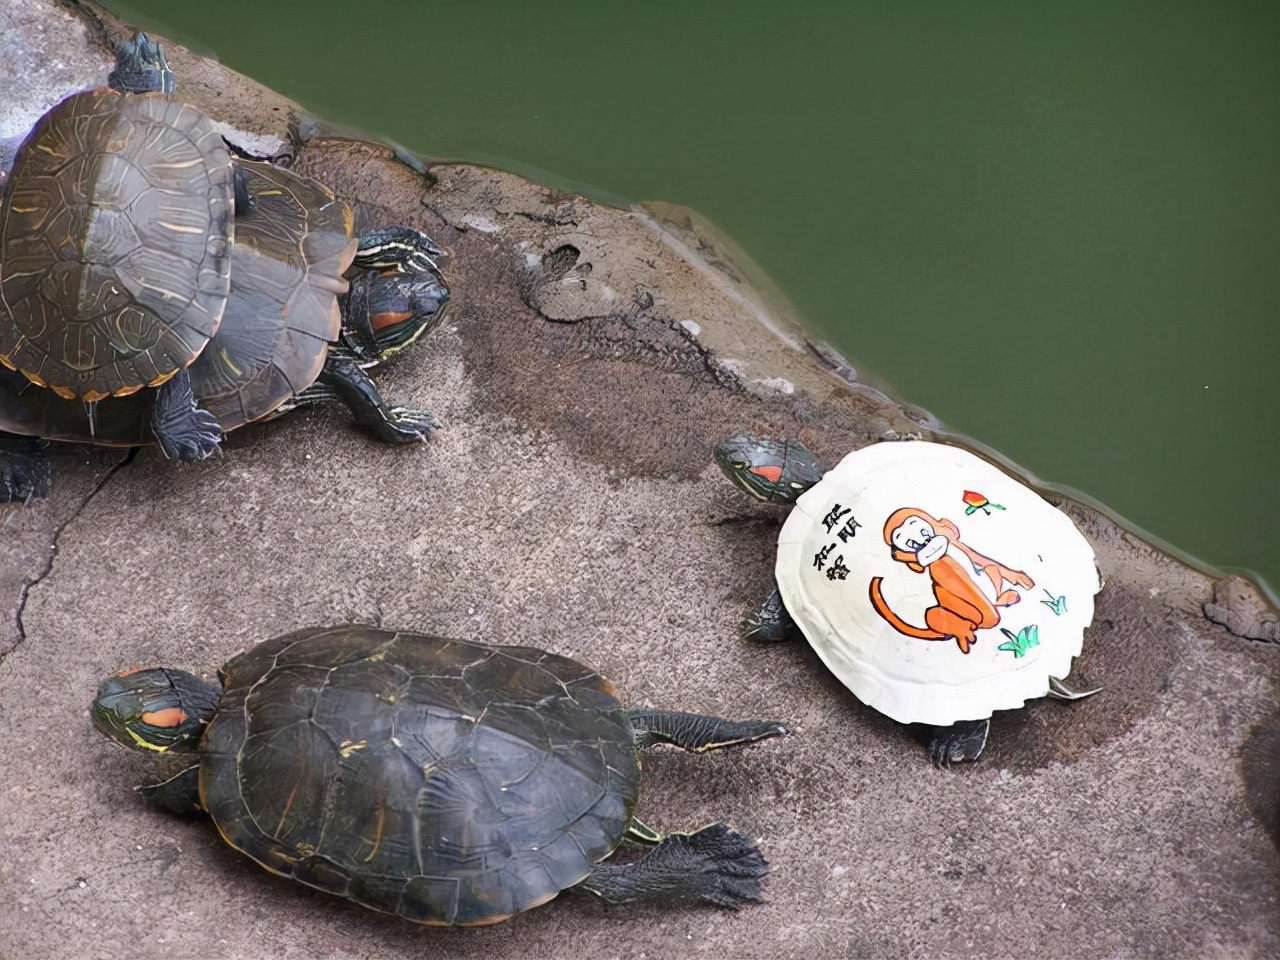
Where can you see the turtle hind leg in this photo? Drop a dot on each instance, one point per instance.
(183, 430)
(771, 623)
(141, 67)
(715, 866)
(25, 469)
(962, 741)
(179, 795)
(696, 732)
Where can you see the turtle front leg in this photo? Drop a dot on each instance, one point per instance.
(183, 430)
(715, 866)
(962, 741)
(25, 469)
(696, 732)
(179, 795)
(350, 384)
(771, 623)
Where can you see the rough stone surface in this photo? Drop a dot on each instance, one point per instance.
(1239, 606)
(569, 501)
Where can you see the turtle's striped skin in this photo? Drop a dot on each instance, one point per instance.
(115, 244)
(445, 781)
(282, 313)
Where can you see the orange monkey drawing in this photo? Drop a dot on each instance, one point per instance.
(923, 543)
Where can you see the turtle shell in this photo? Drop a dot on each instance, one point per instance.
(115, 239)
(291, 250)
(934, 585)
(444, 781)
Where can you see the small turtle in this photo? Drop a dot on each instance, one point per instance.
(901, 606)
(446, 781)
(115, 246)
(274, 348)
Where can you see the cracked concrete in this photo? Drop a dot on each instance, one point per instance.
(569, 501)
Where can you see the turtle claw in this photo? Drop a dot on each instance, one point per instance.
(405, 425)
(715, 866)
(962, 742)
(734, 866)
(771, 623)
(201, 440)
(182, 429)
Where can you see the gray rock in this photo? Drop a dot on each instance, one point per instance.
(1239, 606)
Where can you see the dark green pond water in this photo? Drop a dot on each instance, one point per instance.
(1056, 226)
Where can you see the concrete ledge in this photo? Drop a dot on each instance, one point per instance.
(569, 502)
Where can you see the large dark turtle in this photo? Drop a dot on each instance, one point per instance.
(874, 570)
(115, 246)
(446, 781)
(290, 335)
(274, 348)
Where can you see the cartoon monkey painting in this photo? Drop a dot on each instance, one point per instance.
(929, 545)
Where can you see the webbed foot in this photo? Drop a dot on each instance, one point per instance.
(179, 795)
(182, 429)
(771, 623)
(141, 67)
(715, 866)
(961, 742)
(405, 426)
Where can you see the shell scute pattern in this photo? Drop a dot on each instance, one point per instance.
(115, 243)
(446, 781)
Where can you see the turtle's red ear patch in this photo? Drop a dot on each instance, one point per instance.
(771, 472)
(388, 318)
(169, 717)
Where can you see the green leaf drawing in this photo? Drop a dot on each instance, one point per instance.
(1057, 604)
(1022, 641)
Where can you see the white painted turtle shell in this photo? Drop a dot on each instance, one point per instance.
(934, 585)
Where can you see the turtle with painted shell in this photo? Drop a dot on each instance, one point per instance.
(936, 587)
(448, 782)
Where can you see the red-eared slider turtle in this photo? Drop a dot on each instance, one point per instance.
(445, 781)
(936, 587)
(274, 348)
(115, 247)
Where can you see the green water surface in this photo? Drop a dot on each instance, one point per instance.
(1056, 226)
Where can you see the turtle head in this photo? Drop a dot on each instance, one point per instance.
(775, 471)
(387, 312)
(155, 708)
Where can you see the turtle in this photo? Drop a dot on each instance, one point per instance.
(293, 332)
(859, 535)
(115, 246)
(449, 782)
